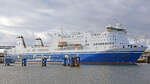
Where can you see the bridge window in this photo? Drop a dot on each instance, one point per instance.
(123, 46)
(103, 43)
(130, 46)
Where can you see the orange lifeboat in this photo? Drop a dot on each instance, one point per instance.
(77, 45)
(61, 44)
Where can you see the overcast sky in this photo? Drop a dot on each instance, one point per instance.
(23, 17)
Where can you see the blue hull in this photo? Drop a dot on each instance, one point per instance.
(87, 58)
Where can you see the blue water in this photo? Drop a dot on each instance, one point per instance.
(86, 74)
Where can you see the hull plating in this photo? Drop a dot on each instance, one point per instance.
(86, 58)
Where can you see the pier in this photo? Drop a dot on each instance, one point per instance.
(145, 58)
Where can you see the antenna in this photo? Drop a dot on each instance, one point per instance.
(146, 39)
(117, 23)
(116, 20)
(62, 33)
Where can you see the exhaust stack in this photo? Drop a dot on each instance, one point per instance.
(20, 42)
(39, 42)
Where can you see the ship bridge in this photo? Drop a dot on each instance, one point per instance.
(118, 28)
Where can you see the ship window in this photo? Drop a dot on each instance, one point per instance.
(135, 46)
(87, 44)
(109, 43)
(123, 46)
(131, 46)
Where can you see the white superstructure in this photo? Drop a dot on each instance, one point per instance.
(113, 38)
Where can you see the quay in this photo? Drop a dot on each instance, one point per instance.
(145, 58)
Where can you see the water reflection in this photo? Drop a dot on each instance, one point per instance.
(86, 74)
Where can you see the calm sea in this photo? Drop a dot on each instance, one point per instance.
(86, 74)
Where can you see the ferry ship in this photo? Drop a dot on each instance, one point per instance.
(109, 47)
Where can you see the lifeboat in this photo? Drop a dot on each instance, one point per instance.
(76, 45)
(61, 44)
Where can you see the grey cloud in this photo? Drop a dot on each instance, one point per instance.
(76, 15)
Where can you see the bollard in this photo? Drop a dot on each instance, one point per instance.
(71, 61)
(44, 61)
(24, 62)
(7, 61)
(75, 61)
(65, 61)
(148, 59)
(78, 61)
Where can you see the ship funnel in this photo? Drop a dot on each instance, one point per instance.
(20, 42)
(39, 42)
